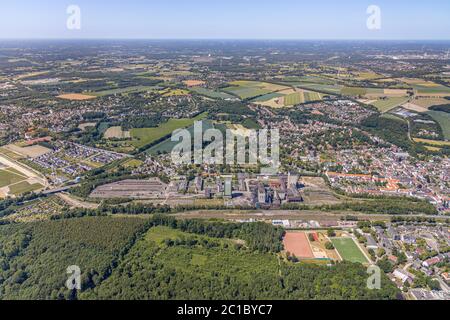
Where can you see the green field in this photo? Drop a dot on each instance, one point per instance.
(267, 97)
(134, 89)
(353, 91)
(250, 89)
(167, 145)
(331, 89)
(348, 250)
(312, 96)
(144, 136)
(23, 187)
(443, 118)
(246, 93)
(211, 93)
(390, 103)
(294, 99)
(8, 177)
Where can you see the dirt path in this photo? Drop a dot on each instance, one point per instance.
(77, 203)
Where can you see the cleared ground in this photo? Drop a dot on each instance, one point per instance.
(297, 244)
(76, 97)
(116, 133)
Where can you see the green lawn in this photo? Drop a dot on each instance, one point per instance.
(144, 136)
(8, 177)
(348, 250)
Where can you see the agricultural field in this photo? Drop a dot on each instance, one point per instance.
(76, 96)
(134, 89)
(145, 136)
(194, 83)
(116, 133)
(211, 93)
(326, 88)
(435, 143)
(251, 89)
(23, 187)
(175, 93)
(349, 250)
(168, 145)
(443, 118)
(426, 88)
(353, 91)
(288, 98)
(430, 102)
(28, 152)
(8, 177)
(385, 105)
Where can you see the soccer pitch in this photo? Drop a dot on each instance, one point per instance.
(349, 250)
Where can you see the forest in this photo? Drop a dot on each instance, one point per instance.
(164, 258)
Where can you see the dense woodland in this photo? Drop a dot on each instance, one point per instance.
(187, 260)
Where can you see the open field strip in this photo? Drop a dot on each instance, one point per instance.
(433, 142)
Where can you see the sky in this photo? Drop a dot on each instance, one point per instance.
(226, 19)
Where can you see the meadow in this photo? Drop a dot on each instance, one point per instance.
(167, 145)
(385, 105)
(250, 89)
(443, 118)
(145, 136)
(8, 177)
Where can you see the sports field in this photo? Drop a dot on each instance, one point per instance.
(348, 250)
(297, 244)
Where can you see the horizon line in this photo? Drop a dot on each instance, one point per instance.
(216, 39)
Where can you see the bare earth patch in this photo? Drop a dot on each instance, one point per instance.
(75, 97)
